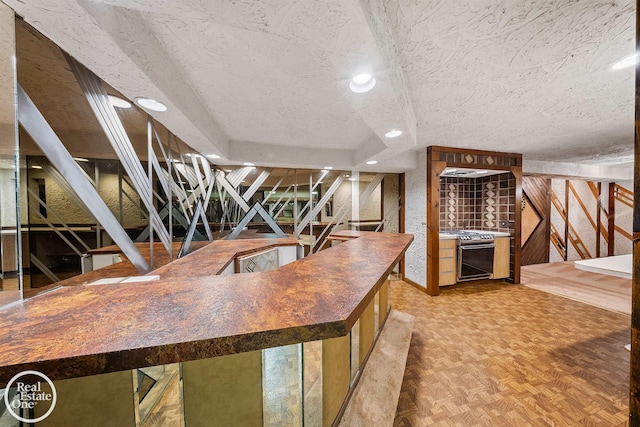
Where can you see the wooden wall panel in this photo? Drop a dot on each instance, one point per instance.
(538, 194)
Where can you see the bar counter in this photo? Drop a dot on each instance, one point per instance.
(191, 313)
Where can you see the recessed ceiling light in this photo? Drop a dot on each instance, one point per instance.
(151, 104)
(362, 83)
(248, 164)
(372, 162)
(36, 167)
(213, 156)
(393, 133)
(626, 62)
(119, 102)
(328, 168)
(80, 159)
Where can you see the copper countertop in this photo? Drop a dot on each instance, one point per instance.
(120, 269)
(191, 313)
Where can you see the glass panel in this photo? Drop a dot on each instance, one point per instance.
(10, 242)
(6, 419)
(355, 350)
(312, 380)
(158, 396)
(258, 262)
(282, 386)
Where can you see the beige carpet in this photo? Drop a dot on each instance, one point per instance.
(375, 398)
(562, 278)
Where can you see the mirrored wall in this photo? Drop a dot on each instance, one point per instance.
(10, 243)
(158, 198)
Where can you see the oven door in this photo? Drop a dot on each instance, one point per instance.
(475, 261)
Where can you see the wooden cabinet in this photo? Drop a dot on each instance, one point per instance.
(501, 258)
(448, 262)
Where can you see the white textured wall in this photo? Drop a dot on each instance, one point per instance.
(7, 118)
(71, 213)
(371, 210)
(7, 84)
(68, 211)
(624, 220)
(7, 192)
(579, 220)
(342, 197)
(391, 200)
(109, 193)
(557, 186)
(415, 220)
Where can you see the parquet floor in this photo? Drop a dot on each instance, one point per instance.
(509, 355)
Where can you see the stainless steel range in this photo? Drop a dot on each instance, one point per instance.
(475, 254)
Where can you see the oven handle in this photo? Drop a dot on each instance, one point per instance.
(482, 246)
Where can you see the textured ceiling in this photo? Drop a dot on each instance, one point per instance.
(266, 81)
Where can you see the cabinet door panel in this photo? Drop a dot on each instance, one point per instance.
(501, 258)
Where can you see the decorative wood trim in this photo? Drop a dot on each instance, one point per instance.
(566, 219)
(478, 166)
(536, 248)
(382, 199)
(611, 220)
(623, 232)
(598, 218)
(442, 149)
(582, 205)
(414, 284)
(508, 162)
(401, 185)
(623, 195)
(572, 234)
(596, 190)
(634, 374)
(434, 169)
(517, 237)
(548, 214)
(557, 241)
